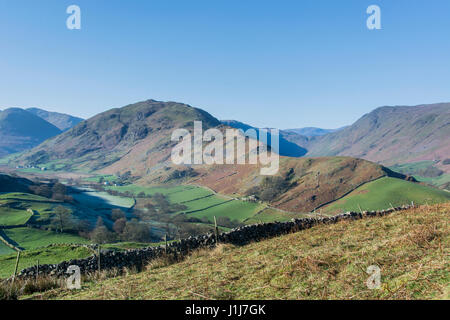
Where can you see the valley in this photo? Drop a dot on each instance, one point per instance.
(109, 181)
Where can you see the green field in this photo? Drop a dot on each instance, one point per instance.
(13, 217)
(29, 238)
(235, 210)
(179, 193)
(49, 255)
(384, 192)
(271, 215)
(106, 177)
(5, 249)
(415, 168)
(13, 207)
(203, 203)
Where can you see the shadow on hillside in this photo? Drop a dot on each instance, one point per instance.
(9, 240)
(87, 198)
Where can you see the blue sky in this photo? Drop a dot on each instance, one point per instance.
(284, 64)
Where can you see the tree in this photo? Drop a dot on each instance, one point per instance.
(102, 235)
(119, 225)
(59, 191)
(42, 190)
(99, 222)
(117, 214)
(135, 231)
(62, 219)
(141, 194)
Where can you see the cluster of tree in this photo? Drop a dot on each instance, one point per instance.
(271, 187)
(181, 174)
(122, 230)
(54, 190)
(125, 178)
(162, 206)
(116, 193)
(63, 220)
(430, 172)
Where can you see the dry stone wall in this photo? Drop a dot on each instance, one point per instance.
(137, 258)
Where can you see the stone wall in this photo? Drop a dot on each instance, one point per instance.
(137, 258)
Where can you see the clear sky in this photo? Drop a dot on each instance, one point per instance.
(284, 64)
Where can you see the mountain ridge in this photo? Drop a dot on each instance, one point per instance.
(60, 120)
(391, 135)
(21, 130)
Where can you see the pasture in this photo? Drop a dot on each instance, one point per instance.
(382, 193)
(29, 238)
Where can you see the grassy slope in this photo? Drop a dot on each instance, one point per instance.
(49, 255)
(201, 200)
(314, 181)
(13, 217)
(235, 210)
(5, 249)
(380, 194)
(29, 238)
(326, 262)
(270, 215)
(23, 201)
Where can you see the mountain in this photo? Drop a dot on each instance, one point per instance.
(21, 130)
(290, 142)
(135, 137)
(392, 135)
(313, 131)
(60, 120)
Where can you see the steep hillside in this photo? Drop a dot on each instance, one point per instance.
(290, 142)
(392, 135)
(310, 182)
(135, 137)
(21, 130)
(60, 120)
(14, 184)
(325, 262)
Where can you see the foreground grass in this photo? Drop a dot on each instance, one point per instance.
(325, 262)
(48, 255)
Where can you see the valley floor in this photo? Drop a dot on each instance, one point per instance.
(326, 262)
